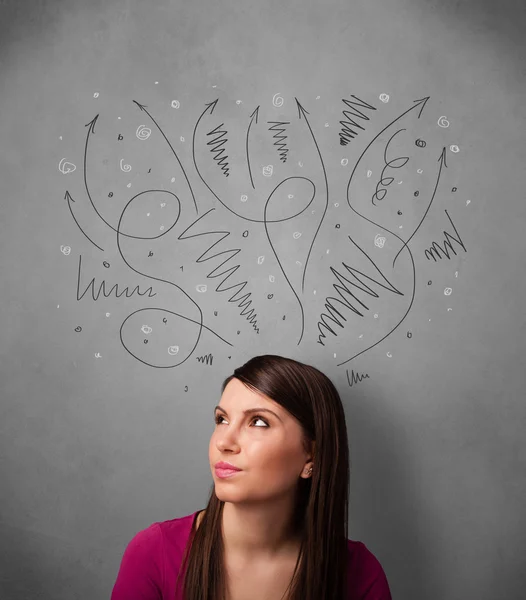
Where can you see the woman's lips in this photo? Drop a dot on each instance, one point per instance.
(224, 473)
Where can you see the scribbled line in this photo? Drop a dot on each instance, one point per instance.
(244, 301)
(348, 133)
(355, 377)
(252, 116)
(114, 290)
(346, 291)
(304, 113)
(277, 127)
(436, 249)
(416, 104)
(143, 107)
(217, 150)
(383, 182)
(208, 359)
(191, 300)
(69, 200)
(442, 161)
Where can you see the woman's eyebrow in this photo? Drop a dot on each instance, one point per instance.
(249, 411)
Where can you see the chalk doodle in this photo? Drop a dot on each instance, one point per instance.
(261, 194)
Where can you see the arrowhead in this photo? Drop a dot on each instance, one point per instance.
(301, 110)
(442, 156)
(91, 124)
(256, 112)
(423, 102)
(141, 106)
(212, 104)
(67, 196)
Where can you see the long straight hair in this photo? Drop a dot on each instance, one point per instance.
(321, 511)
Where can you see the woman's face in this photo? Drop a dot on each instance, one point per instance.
(267, 447)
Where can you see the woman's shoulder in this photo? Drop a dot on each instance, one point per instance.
(365, 573)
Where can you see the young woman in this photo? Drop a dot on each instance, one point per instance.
(275, 526)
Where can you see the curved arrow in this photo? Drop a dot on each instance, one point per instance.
(143, 108)
(256, 112)
(69, 199)
(302, 111)
(442, 161)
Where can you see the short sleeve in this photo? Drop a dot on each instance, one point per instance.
(140, 572)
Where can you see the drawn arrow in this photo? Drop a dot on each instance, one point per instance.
(442, 161)
(143, 108)
(303, 112)
(69, 200)
(255, 113)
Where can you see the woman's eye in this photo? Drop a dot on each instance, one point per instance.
(256, 418)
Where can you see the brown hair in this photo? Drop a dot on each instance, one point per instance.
(321, 511)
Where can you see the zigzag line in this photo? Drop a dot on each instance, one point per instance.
(437, 249)
(347, 289)
(216, 149)
(207, 358)
(348, 133)
(243, 301)
(280, 139)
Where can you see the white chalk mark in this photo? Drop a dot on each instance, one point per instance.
(107, 314)
(238, 101)
(454, 148)
(277, 100)
(336, 204)
(360, 336)
(98, 355)
(369, 173)
(389, 355)
(182, 139)
(244, 198)
(443, 122)
(468, 202)
(376, 315)
(143, 132)
(172, 179)
(129, 185)
(260, 260)
(271, 278)
(300, 163)
(296, 235)
(146, 330)
(125, 168)
(344, 162)
(66, 167)
(66, 250)
(96, 95)
(176, 103)
(173, 350)
(419, 171)
(456, 273)
(326, 124)
(156, 83)
(298, 263)
(379, 240)
(161, 227)
(202, 287)
(163, 204)
(291, 196)
(384, 98)
(448, 291)
(449, 309)
(268, 170)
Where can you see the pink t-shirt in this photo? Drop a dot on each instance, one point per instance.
(151, 561)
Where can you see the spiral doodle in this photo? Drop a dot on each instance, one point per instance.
(143, 132)
(384, 98)
(175, 104)
(66, 167)
(125, 168)
(379, 240)
(454, 148)
(66, 250)
(443, 122)
(277, 100)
